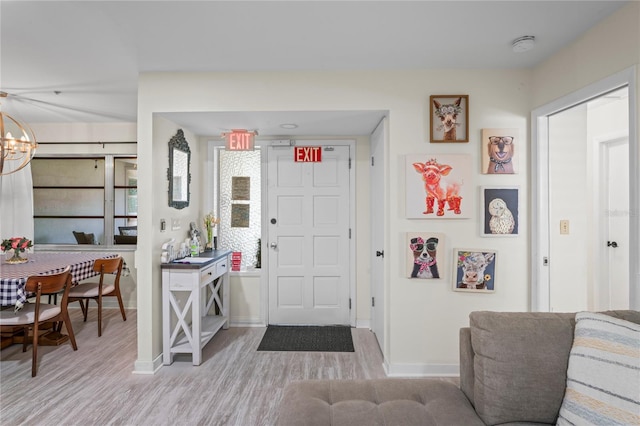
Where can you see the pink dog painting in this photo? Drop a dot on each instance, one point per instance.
(438, 187)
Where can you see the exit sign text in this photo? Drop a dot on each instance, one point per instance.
(240, 140)
(307, 154)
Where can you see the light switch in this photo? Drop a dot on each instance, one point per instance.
(175, 224)
(564, 227)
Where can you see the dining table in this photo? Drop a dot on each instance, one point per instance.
(13, 277)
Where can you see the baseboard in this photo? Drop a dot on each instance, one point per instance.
(422, 370)
(147, 367)
(246, 322)
(363, 324)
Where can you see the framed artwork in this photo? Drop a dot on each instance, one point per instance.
(438, 186)
(500, 207)
(499, 151)
(425, 252)
(474, 270)
(449, 118)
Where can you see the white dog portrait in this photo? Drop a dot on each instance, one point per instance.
(500, 207)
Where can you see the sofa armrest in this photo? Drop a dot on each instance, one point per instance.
(466, 364)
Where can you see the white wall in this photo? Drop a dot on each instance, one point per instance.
(424, 318)
(569, 188)
(610, 47)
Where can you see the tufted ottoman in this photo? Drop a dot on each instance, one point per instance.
(376, 402)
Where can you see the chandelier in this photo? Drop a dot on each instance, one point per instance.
(18, 143)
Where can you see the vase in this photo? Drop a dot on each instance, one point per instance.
(16, 258)
(209, 245)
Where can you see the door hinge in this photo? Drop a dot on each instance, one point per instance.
(349, 303)
(372, 161)
(349, 162)
(373, 302)
(545, 261)
(349, 233)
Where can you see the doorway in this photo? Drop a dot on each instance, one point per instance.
(572, 207)
(309, 234)
(377, 209)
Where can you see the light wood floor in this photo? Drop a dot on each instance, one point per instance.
(235, 385)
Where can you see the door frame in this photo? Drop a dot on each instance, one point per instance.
(601, 273)
(378, 289)
(540, 246)
(264, 281)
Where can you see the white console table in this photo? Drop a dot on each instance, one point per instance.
(195, 303)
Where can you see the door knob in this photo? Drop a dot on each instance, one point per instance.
(612, 244)
(273, 245)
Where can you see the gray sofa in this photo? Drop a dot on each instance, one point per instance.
(512, 371)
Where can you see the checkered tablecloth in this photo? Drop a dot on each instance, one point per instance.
(13, 277)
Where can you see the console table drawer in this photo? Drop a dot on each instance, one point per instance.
(180, 281)
(209, 273)
(222, 267)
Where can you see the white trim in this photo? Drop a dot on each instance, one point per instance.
(422, 370)
(601, 272)
(363, 323)
(246, 322)
(540, 182)
(148, 367)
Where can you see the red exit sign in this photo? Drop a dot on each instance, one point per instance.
(240, 140)
(307, 154)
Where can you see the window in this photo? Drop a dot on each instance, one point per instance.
(84, 200)
(239, 203)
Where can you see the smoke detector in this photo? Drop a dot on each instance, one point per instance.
(523, 44)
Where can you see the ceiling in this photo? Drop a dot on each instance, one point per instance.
(78, 61)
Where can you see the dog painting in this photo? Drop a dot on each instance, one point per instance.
(424, 255)
(449, 118)
(438, 186)
(499, 157)
(500, 207)
(475, 270)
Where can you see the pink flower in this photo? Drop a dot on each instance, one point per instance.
(14, 244)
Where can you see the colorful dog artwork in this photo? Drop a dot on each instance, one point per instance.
(449, 121)
(500, 156)
(475, 270)
(441, 181)
(422, 255)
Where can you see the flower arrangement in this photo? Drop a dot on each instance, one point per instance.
(210, 222)
(18, 245)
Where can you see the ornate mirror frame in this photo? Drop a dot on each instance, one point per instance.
(179, 171)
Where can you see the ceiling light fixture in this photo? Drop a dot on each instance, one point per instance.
(523, 44)
(289, 126)
(17, 143)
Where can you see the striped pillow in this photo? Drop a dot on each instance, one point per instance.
(603, 378)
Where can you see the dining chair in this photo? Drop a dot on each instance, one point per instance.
(86, 291)
(33, 315)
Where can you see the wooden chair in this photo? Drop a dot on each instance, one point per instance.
(34, 315)
(97, 290)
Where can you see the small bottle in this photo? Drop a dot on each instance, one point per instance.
(195, 251)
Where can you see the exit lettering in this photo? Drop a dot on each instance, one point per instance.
(307, 154)
(240, 141)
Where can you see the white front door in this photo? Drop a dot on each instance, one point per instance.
(308, 237)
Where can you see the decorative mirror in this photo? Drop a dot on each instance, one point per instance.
(178, 172)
